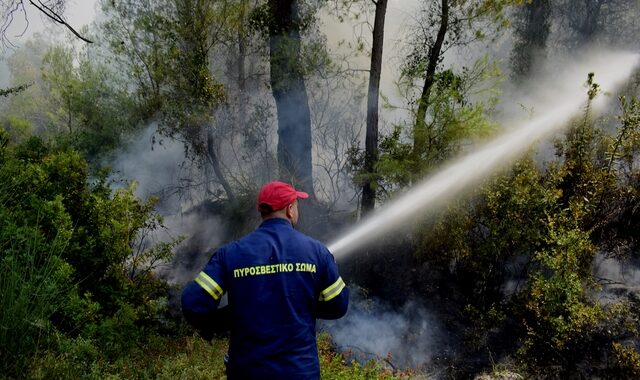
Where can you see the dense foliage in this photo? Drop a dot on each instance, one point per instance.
(521, 253)
(71, 265)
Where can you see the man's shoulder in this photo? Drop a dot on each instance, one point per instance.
(302, 236)
(226, 248)
(319, 247)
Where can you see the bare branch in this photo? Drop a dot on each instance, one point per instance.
(53, 15)
(8, 20)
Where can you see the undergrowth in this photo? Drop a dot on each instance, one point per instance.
(188, 357)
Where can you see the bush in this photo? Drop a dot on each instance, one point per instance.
(556, 313)
(70, 266)
(518, 253)
(626, 361)
(33, 276)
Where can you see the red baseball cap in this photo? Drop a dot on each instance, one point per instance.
(278, 195)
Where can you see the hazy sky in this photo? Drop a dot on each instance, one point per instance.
(82, 12)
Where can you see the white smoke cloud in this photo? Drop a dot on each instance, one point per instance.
(157, 165)
(153, 162)
(406, 337)
(203, 233)
(618, 276)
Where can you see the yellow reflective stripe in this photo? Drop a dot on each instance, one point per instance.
(209, 285)
(333, 290)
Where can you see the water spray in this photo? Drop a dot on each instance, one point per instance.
(611, 70)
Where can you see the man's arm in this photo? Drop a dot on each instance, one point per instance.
(333, 301)
(335, 307)
(201, 311)
(200, 300)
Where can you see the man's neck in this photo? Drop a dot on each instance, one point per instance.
(271, 217)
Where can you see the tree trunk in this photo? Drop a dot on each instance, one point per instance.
(241, 117)
(532, 27)
(195, 85)
(215, 164)
(420, 132)
(589, 25)
(290, 94)
(371, 139)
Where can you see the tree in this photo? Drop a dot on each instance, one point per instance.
(449, 104)
(92, 109)
(532, 24)
(433, 58)
(70, 97)
(167, 46)
(29, 109)
(447, 25)
(5, 92)
(144, 37)
(285, 22)
(611, 22)
(371, 139)
(195, 91)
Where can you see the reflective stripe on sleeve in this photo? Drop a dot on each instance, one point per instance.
(209, 285)
(333, 290)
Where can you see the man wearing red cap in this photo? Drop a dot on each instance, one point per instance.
(278, 281)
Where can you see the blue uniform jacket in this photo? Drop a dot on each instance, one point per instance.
(278, 282)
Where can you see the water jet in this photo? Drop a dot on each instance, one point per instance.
(611, 70)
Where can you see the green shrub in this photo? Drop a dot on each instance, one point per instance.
(32, 281)
(518, 253)
(626, 361)
(33, 276)
(70, 269)
(556, 312)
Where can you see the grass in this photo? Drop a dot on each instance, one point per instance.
(189, 358)
(160, 358)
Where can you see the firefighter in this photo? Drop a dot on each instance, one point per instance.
(278, 282)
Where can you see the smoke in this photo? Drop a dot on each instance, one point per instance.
(409, 336)
(158, 167)
(617, 276)
(615, 270)
(555, 78)
(204, 232)
(153, 163)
